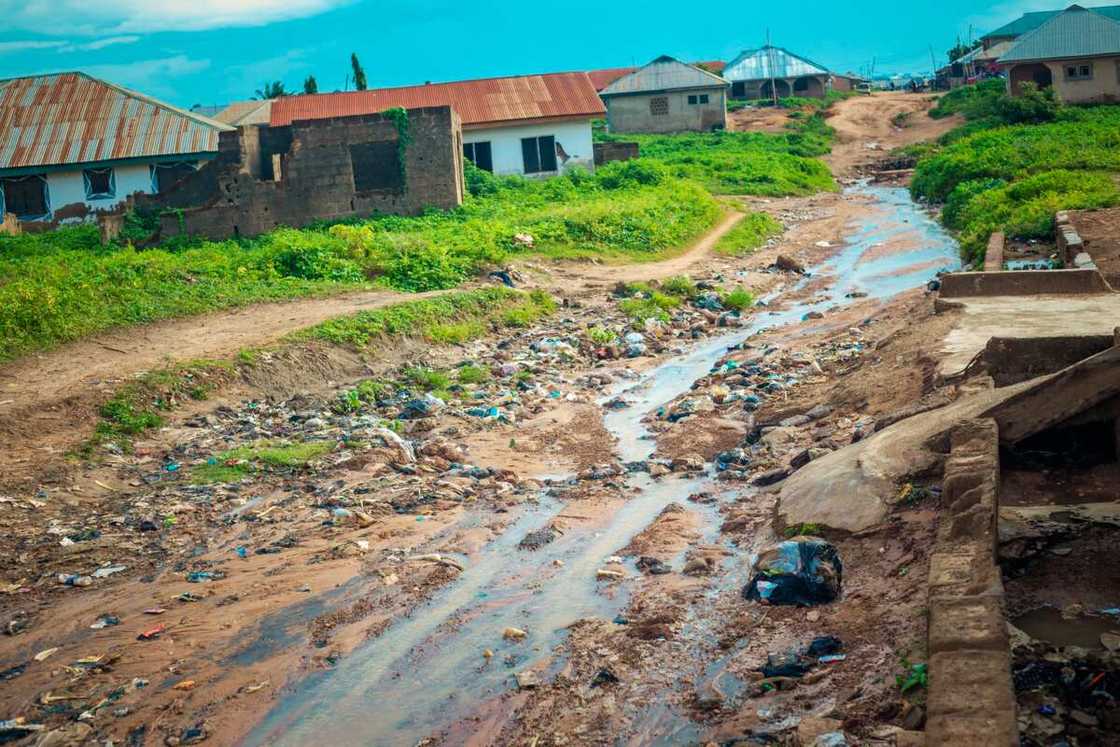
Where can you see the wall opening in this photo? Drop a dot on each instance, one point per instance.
(377, 166)
(1037, 73)
(26, 196)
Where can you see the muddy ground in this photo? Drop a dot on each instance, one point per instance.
(146, 602)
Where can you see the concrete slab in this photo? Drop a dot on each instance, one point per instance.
(1024, 316)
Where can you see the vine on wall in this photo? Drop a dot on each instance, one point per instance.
(400, 119)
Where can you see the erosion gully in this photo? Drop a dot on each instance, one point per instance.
(426, 673)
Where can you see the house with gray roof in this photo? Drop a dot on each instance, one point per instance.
(1028, 22)
(666, 95)
(1076, 52)
(759, 73)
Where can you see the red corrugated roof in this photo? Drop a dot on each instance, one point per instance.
(603, 78)
(477, 102)
(71, 118)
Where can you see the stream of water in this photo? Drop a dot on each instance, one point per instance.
(426, 672)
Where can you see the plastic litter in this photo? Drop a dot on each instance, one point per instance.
(802, 571)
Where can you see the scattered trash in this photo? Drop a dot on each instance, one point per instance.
(106, 621)
(802, 571)
(152, 634)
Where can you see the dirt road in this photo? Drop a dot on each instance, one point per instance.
(867, 127)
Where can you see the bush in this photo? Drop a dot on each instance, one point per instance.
(974, 101)
(738, 299)
(961, 195)
(1030, 106)
(679, 285)
(1025, 209)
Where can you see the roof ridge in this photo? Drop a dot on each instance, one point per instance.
(158, 103)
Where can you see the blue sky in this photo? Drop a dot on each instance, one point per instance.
(215, 51)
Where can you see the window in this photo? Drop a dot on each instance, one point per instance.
(659, 106)
(692, 100)
(166, 175)
(738, 90)
(703, 98)
(1079, 72)
(539, 154)
(479, 155)
(26, 196)
(698, 99)
(377, 166)
(100, 184)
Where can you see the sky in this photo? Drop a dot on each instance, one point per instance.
(211, 52)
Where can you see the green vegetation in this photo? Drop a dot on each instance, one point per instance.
(1017, 162)
(748, 234)
(753, 163)
(472, 374)
(803, 530)
(738, 299)
(235, 464)
(473, 311)
(139, 405)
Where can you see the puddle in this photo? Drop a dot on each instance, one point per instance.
(427, 671)
(1047, 624)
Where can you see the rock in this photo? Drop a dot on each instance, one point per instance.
(812, 727)
(800, 459)
(819, 412)
(653, 566)
(913, 716)
(73, 735)
(796, 421)
(698, 566)
(688, 463)
(770, 477)
(1111, 641)
(1085, 719)
(538, 538)
(656, 469)
(789, 264)
(514, 634)
(528, 680)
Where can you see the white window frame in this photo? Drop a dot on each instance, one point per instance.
(1077, 68)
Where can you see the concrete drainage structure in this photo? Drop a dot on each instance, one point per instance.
(970, 697)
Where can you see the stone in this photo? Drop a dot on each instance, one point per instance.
(789, 264)
(770, 477)
(528, 680)
(812, 727)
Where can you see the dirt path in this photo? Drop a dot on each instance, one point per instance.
(866, 127)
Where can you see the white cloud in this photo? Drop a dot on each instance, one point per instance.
(100, 43)
(91, 17)
(23, 46)
(153, 77)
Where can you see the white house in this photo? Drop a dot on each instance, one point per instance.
(71, 144)
(535, 125)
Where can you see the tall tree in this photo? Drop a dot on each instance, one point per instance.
(271, 90)
(359, 74)
(310, 85)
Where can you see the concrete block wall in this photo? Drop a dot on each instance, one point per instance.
(971, 702)
(614, 151)
(1022, 283)
(316, 179)
(993, 256)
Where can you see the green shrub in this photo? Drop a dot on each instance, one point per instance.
(1032, 106)
(426, 378)
(640, 309)
(973, 101)
(471, 374)
(679, 285)
(738, 299)
(601, 335)
(961, 195)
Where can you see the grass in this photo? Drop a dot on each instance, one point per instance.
(974, 102)
(748, 234)
(452, 318)
(1014, 177)
(64, 285)
(238, 463)
(140, 404)
(738, 299)
(744, 163)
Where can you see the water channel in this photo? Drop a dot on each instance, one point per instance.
(426, 672)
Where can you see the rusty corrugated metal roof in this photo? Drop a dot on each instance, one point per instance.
(477, 102)
(71, 118)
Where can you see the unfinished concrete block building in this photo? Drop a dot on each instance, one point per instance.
(397, 163)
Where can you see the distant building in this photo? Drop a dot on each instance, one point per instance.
(71, 144)
(846, 82)
(1076, 52)
(603, 78)
(1028, 22)
(535, 125)
(754, 71)
(666, 96)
